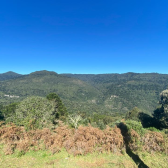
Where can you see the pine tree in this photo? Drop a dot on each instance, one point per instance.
(60, 111)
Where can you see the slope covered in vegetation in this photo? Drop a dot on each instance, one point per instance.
(103, 94)
(43, 124)
(122, 92)
(75, 94)
(9, 75)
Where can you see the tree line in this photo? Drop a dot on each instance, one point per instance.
(39, 112)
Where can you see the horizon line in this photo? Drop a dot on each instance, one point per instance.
(84, 73)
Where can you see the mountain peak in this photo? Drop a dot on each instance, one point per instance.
(9, 75)
(43, 72)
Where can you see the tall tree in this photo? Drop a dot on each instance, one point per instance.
(1, 113)
(60, 110)
(8, 110)
(133, 114)
(161, 113)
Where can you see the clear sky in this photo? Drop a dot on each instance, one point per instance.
(90, 36)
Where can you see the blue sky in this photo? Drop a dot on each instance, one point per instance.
(91, 36)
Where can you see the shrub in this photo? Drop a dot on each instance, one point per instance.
(154, 141)
(77, 142)
(133, 114)
(153, 129)
(33, 112)
(74, 120)
(136, 126)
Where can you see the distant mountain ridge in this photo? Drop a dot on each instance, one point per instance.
(43, 72)
(9, 75)
(74, 92)
(101, 93)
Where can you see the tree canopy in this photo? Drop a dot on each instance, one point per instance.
(60, 110)
(33, 112)
(161, 113)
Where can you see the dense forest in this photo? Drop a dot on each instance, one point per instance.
(104, 94)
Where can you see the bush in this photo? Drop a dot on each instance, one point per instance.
(74, 120)
(153, 129)
(133, 114)
(136, 126)
(81, 141)
(33, 112)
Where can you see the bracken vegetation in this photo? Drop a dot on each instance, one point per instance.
(77, 142)
(82, 141)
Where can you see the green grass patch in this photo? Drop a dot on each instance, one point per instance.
(44, 159)
(154, 160)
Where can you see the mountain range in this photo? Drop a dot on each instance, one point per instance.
(88, 93)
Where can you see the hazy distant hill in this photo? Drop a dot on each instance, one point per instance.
(76, 94)
(9, 75)
(104, 93)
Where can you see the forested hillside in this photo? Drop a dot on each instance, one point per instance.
(104, 93)
(90, 114)
(122, 92)
(77, 95)
(9, 75)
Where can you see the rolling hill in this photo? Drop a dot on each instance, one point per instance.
(9, 75)
(122, 92)
(103, 93)
(75, 93)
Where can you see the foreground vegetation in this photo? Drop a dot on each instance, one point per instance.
(45, 159)
(83, 147)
